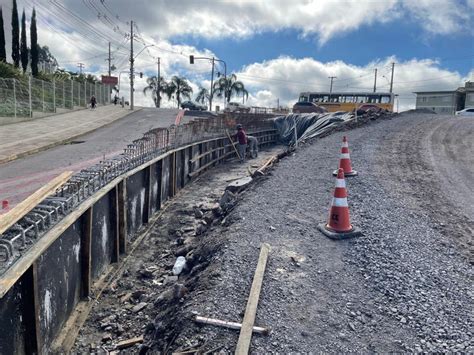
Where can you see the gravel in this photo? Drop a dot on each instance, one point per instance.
(404, 286)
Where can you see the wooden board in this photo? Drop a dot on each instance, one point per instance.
(16, 213)
(245, 336)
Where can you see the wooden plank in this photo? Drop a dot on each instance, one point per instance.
(172, 182)
(122, 205)
(129, 342)
(16, 213)
(30, 312)
(86, 252)
(114, 202)
(148, 191)
(233, 145)
(245, 337)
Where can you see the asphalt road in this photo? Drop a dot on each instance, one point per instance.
(21, 177)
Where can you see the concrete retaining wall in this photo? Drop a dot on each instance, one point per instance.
(42, 292)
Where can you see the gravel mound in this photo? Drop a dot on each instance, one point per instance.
(404, 286)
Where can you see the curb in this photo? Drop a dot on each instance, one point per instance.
(61, 142)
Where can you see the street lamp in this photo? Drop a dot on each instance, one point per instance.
(192, 58)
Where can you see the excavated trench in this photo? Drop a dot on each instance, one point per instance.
(146, 299)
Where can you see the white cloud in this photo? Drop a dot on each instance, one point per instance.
(323, 19)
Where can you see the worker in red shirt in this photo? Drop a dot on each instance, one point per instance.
(242, 142)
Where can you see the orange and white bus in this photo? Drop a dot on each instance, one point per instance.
(348, 101)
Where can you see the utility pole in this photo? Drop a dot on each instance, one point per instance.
(158, 85)
(80, 65)
(375, 80)
(330, 89)
(131, 65)
(212, 84)
(391, 80)
(109, 59)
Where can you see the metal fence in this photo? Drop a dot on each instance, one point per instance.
(86, 182)
(21, 98)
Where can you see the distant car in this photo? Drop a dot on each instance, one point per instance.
(367, 108)
(236, 107)
(308, 107)
(469, 111)
(194, 106)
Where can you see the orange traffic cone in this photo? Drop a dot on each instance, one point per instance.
(345, 162)
(339, 225)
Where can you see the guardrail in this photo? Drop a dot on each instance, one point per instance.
(105, 207)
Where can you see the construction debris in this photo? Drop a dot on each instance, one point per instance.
(129, 342)
(230, 325)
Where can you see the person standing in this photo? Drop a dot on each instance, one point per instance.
(242, 142)
(93, 102)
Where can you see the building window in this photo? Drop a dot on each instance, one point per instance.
(446, 99)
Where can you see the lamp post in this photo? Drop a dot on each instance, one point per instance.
(191, 61)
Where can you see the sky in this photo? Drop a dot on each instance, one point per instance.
(277, 48)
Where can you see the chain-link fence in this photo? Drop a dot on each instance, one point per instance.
(24, 97)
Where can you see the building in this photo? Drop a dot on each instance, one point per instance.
(446, 102)
(469, 94)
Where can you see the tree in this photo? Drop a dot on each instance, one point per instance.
(34, 44)
(179, 87)
(203, 95)
(153, 87)
(230, 86)
(8, 70)
(3, 52)
(23, 46)
(15, 36)
(44, 55)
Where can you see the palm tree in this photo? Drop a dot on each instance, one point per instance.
(153, 87)
(230, 86)
(203, 95)
(179, 87)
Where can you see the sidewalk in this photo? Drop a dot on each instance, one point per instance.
(20, 139)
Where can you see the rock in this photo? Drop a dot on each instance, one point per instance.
(227, 200)
(351, 326)
(139, 307)
(217, 210)
(138, 294)
(272, 228)
(201, 229)
(239, 185)
(183, 250)
(175, 293)
(198, 213)
(170, 280)
(209, 217)
(106, 337)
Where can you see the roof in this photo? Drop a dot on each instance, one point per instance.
(353, 93)
(458, 90)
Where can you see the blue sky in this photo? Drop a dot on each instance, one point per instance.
(359, 47)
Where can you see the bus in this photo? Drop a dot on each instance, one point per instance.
(348, 101)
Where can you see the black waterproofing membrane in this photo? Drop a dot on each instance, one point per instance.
(309, 125)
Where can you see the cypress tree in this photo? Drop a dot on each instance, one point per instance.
(3, 52)
(23, 46)
(15, 36)
(34, 44)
